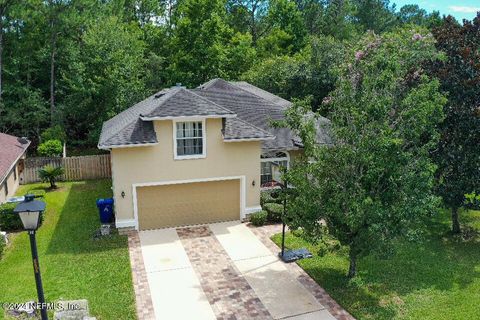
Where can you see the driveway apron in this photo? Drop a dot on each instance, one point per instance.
(279, 291)
(175, 290)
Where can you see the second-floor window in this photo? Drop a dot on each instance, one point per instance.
(189, 139)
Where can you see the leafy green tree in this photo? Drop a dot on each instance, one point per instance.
(412, 13)
(374, 184)
(104, 77)
(309, 73)
(50, 148)
(240, 55)
(199, 38)
(54, 133)
(51, 174)
(374, 15)
(337, 21)
(284, 16)
(248, 16)
(458, 155)
(312, 12)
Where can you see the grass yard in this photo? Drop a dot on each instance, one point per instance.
(438, 278)
(73, 264)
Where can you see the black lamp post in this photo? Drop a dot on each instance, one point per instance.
(30, 212)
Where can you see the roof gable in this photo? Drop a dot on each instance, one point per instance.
(11, 149)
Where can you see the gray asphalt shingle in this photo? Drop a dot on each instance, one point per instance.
(254, 108)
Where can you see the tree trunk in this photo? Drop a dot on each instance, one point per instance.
(455, 221)
(352, 270)
(1, 53)
(52, 77)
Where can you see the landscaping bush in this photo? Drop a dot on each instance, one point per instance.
(50, 148)
(258, 218)
(274, 211)
(269, 196)
(51, 174)
(9, 221)
(54, 133)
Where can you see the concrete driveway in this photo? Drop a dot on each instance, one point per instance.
(222, 271)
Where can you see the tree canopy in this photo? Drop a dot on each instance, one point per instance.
(374, 183)
(76, 63)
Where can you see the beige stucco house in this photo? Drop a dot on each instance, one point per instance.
(192, 156)
(12, 153)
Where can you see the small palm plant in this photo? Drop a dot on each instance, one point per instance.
(51, 174)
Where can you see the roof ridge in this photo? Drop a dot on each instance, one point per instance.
(208, 84)
(210, 101)
(234, 83)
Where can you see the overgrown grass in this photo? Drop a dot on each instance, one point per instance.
(73, 264)
(437, 278)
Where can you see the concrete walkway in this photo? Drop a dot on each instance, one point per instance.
(222, 271)
(175, 290)
(279, 291)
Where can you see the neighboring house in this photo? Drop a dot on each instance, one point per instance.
(12, 153)
(192, 156)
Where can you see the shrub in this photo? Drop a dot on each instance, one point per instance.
(275, 211)
(50, 174)
(258, 218)
(9, 221)
(472, 201)
(54, 133)
(269, 196)
(50, 148)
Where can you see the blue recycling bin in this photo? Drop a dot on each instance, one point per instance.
(105, 209)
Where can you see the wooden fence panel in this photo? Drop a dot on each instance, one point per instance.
(76, 168)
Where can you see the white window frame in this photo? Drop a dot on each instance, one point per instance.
(204, 139)
(276, 159)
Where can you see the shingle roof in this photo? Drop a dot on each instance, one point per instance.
(186, 103)
(262, 93)
(238, 129)
(259, 112)
(253, 107)
(11, 149)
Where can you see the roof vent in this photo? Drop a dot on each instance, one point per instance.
(178, 85)
(23, 140)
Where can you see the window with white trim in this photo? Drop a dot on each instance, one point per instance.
(189, 139)
(270, 170)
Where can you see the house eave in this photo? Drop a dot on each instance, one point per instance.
(132, 145)
(212, 116)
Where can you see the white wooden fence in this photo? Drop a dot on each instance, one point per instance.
(76, 168)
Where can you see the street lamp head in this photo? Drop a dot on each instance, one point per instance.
(30, 212)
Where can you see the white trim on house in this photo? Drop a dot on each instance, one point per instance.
(212, 116)
(204, 139)
(127, 145)
(248, 139)
(170, 182)
(125, 223)
(250, 210)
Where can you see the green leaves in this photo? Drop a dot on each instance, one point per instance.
(375, 183)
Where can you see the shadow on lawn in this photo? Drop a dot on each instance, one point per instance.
(78, 220)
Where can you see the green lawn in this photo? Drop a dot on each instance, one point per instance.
(73, 264)
(438, 278)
